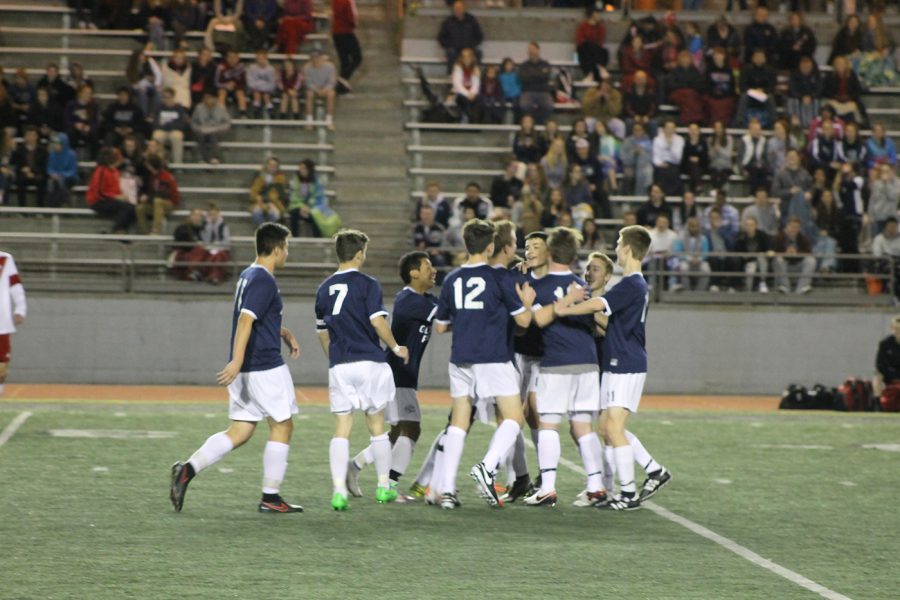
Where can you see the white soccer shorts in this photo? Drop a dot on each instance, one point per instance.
(403, 407)
(559, 393)
(622, 389)
(528, 367)
(363, 385)
(256, 395)
(484, 380)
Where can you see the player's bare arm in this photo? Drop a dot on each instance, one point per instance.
(383, 329)
(241, 337)
(18, 319)
(544, 316)
(324, 341)
(291, 342)
(526, 295)
(442, 327)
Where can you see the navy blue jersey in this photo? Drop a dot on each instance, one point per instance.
(567, 340)
(530, 343)
(257, 295)
(479, 300)
(346, 303)
(411, 326)
(624, 349)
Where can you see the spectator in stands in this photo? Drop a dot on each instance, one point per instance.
(189, 254)
(637, 161)
(471, 200)
(828, 222)
(691, 248)
(629, 217)
(203, 75)
(491, 105)
(216, 238)
(794, 256)
(150, 16)
(826, 152)
(268, 193)
(662, 249)
(231, 81)
(225, 32)
(45, 115)
(848, 189)
(296, 22)
(209, 122)
(751, 156)
(176, 76)
(792, 179)
(886, 248)
(185, 16)
(576, 189)
(262, 83)
(104, 195)
(580, 132)
(721, 156)
(534, 74)
(122, 118)
(592, 238)
(556, 206)
(668, 148)
(158, 197)
(459, 31)
(876, 35)
(60, 92)
(171, 124)
(848, 40)
(591, 167)
(667, 52)
(722, 34)
(761, 35)
(720, 96)
(29, 164)
(602, 102)
(884, 198)
(82, 118)
(62, 170)
(753, 240)
(887, 361)
(608, 150)
(826, 113)
(145, 78)
(685, 87)
(721, 239)
(506, 188)
(590, 38)
(510, 84)
(693, 43)
(306, 195)
(854, 148)
(466, 85)
(731, 219)
(289, 84)
(346, 44)
(757, 100)
(320, 78)
(801, 207)
(765, 212)
(880, 149)
(526, 214)
(695, 158)
(842, 90)
(260, 18)
(77, 77)
(797, 40)
(639, 104)
(441, 206)
(655, 205)
(636, 57)
(428, 236)
(21, 95)
(805, 90)
(528, 144)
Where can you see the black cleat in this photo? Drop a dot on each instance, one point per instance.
(484, 481)
(520, 488)
(180, 479)
(655, 482)
(621, 501)
(278, 506)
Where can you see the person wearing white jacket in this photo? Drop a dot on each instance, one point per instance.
(12, 309)
(176, 74)
(466, 80)
(262, 81)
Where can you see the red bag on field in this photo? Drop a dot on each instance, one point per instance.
(890, 398)
(858, 395)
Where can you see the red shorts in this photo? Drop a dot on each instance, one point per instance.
(5, 348)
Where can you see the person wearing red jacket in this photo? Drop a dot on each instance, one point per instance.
(589, 39)
(343, 27)
(158, 198)
(104, 195)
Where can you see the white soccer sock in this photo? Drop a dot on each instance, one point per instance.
(549, 452)
(641, 456)
(519, 462)
(625, 468)
(213, 449)
(609, 467)
(401, 454)
(503, 440)
(339, 456)
(592, 456)
(364, 458)
(454, 442)
(381, 452)
(426, 472)
(274, 466)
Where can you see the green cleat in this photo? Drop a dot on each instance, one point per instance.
(385, 495)
(339, 501)
(417, 491)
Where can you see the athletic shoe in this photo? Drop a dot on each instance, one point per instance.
(339, 501)
(520, 488)
(484, 481)
(763, 288)
(417, 491)
(385, 495)
(586, 499)
(432, 497)
(279, 506)
(621, 501)
(548, 499)
(654, 482)
(180, 481)
(449, 501)
(353, 480)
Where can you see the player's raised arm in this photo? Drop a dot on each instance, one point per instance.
(241, 337)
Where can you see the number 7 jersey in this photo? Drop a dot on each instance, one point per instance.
(346, 303)
(479, 300)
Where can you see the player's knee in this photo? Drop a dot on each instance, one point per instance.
(550, 421)
(412, 430)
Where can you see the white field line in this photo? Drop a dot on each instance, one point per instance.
(13, 427)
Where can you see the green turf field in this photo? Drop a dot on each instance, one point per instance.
(90, 518)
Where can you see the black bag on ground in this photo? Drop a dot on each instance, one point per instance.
(798, 397)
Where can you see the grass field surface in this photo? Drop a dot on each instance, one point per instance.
(88, 516)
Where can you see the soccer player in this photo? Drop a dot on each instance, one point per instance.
(568, 385)
(350, 320)
(11, 313)
(259, 383)
(414, 310)
(598, 272)
(625, 355)
(478, 303)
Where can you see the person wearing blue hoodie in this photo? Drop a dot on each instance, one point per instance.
(62, 170)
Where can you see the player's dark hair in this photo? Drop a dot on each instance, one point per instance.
(410, 262)
(637, 238)
(270, 236)
(603, 258)
(563, 244)
(504, 235)
(348, 242)
(536, 235)
(477, 235)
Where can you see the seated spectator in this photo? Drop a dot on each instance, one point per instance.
(185, 16)
(884, 198)
(320, 78)
(887, 361)
(590, 38)
(505, 188)
(225, 32)
(510, 84)
(637, 161)
(805, 91)
(848, 41)
(268, 193)
(777, 147)
(145, 78)
(592, 238)
(662, 250)
(289, 83)
(60, 92)
(295, 24)
(209, 122)
(82, 119)
(843, 92)
(654, 206)
(45, 115)
(535, 178)
(528, 145)
(260, 18)
(171, 125)
(596, 173)
(639, 104)
(722, 34)
(796, 40)
(791, 180)
(751, 156)
(668, 148)
(62, 171)
(21, 95)
(761, 35)
(854, 148)
(217, 242)
(203, 75)
(757, 99)
(878, 68)
(669, 48)
(534, 74)
(159, 196)
(793, 255)
(826, 113)
(848, 190)
(731, 219)
(133, 163)
(721, 239)
(764, 212)
(886, 248)
(826, 151)
(602, 102)
(691, 249)
(29, 165)
(802, 207)
(454, 237)
(685, 87)
(491, 103)
(636, 57)
(580, 132)
(459, 31)
(307, 195)
(122, 118)
(262, 83)
(693, 43)
(428, 236)
(608, 146)
(466, 85)
(189, 255)
(880, 149)
(176, 76)
(104, 195)
(441, 206)
(231, 81)
(686, 210)
(555, 164)
(472, 199)
(576, 189)
(828, 222)
(77, 77)
(695, 158)
(721, 87)
(721, 157)
(751, 240)
(527, 212)
(556, 206)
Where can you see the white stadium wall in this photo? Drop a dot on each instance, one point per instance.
(699, 350)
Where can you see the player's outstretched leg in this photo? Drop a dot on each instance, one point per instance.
(211, 452)
(657, 475)
(275, 463)
(503, 439)
(355, 466)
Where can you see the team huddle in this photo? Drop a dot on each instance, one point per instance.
(532, 342)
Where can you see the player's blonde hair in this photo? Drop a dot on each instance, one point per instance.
(504, 235)
(604, 259)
